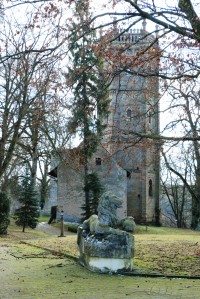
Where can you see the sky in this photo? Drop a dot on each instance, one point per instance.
(19, 14)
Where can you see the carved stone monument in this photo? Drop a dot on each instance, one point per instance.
(106, 244)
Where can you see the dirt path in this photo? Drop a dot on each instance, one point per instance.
(48, 229)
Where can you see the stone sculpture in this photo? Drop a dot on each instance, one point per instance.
(106, 244)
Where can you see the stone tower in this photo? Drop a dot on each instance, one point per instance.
(133, 113)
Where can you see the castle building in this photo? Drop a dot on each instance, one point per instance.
(133, 169)
(134, 113)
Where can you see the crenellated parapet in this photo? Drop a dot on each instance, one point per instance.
(133, 36)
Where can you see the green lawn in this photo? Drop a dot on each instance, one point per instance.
(159, 250)
(46, 267)
(167, 251)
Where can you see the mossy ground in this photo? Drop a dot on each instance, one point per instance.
(36, 265)
(165, 251)
(168, 251)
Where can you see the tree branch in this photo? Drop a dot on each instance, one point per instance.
(187, 7)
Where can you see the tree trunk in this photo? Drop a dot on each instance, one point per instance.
(195, 214)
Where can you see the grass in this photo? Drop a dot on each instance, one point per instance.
(166, 251)
(29, 272)
(44, 218)
(141, 229)
(43, 269)
(72, 227)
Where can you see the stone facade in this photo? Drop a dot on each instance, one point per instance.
(134, 111)
(70, 176)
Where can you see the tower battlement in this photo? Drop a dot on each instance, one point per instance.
(133, 36)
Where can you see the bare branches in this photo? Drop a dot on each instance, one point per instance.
(187, 7)
(163, 138)
(183, 179)
(185, 31)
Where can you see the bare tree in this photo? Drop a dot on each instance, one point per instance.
(176, 200)
(28, 92)
(177, 30)
(184, 105)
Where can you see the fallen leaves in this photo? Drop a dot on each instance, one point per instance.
(168, 258)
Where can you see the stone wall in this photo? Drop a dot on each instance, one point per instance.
(52, 200)
(70, 192)
(71, 182)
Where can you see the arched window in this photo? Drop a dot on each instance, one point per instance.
(150, 117)
(150, 114)
(150, 188)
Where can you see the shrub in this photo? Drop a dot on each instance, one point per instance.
(94, 189)
(4, 212)
(27, 215)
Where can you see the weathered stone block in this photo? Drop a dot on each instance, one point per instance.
(106, 252)
(102, 246)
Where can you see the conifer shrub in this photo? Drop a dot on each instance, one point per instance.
(4, 212)
(27, 214)
(94, 189)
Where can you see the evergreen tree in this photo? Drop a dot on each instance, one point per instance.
(4, 212)
(86, 77)
(89, 87)
(27, 215)
(94, 189)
